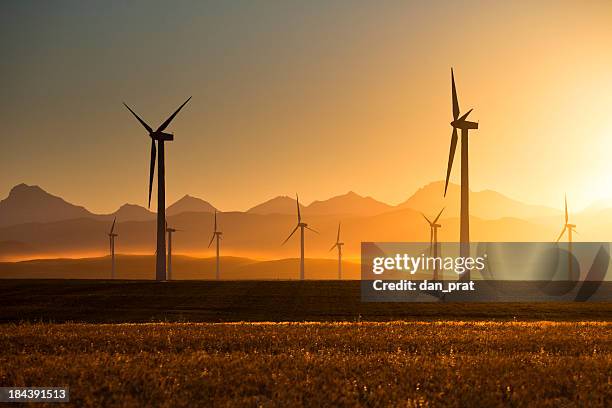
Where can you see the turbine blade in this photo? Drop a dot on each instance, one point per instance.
(113, 227)
(438, 217)
(142, 122)
(167, 122)
(215, 220)
(152, 168)
(451, 156)
(297, 200)
(566, 214)
(427, 219)
(455, 100)
(338, 237)
(466, 115)
(290, 235)
(313, 230)
(562, 232)
(335, 245)
(211, 240)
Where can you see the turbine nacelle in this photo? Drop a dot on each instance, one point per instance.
(302, 225)
(462, 123)
(161, 136)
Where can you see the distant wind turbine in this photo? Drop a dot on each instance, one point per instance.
(338, 245)
(160, 137)
(216, 234)
(170, 231)
(570, 228)
(465, 126)
(301, 225)
(433, 239)
(112, 236)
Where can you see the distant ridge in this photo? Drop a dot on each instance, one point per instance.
(487, 204)
(190, 204)
(276, 205)
(33, 204)
(350, 203)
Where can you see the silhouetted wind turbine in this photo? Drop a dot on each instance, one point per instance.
(570, 228)
(160, 137)
(433, 239)
(338, 245)
(170, 231)
(465, 126)
(112, 236)
(216, 234)
(301, 225)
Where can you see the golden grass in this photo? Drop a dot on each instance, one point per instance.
(315, 364)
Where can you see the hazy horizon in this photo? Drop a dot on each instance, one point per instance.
(319, 98)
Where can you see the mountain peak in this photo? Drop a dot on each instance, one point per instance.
(278, 205)
(350, 203)
(33, 204)
(23, 188)
(188, 203)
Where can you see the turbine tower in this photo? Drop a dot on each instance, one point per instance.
(301, 225)
(170, 231)
(465, 126)
(216, 234)
(338, 245)
(160, 137)
(433, 240)
(111, 237)
(570, 228)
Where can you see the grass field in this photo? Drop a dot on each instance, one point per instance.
(139, 343)
(480, 364)
(231, 301)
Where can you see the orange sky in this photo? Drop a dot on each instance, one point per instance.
(319, 98)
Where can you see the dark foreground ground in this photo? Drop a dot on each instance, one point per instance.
(409, 364)
(230, 301)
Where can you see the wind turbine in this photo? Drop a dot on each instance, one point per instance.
(433, 239)
(216, 234)
(160, 137)
(570, 228)
(170, 231)
(338, 245)
(301, 225)
(465, 126)
(112, 236)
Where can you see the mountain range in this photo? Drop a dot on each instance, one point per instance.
(34, 223)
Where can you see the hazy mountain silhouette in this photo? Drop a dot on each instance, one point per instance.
(189, 204)
(253, 235)
(486, 204)
(38, 224)
(348, 204)
(133, 212)
(32, 204)
(277, 205)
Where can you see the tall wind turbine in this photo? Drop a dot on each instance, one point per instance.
(170, 231)
(111, 237)
(338, 245)
(301, 225)
(570, 228)
(433, 239)
(465, 126)
(160, 137)
(216, 234)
